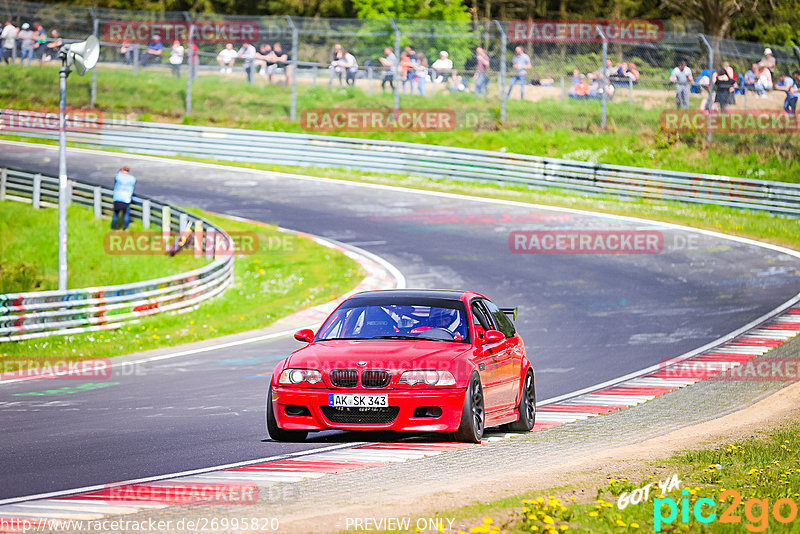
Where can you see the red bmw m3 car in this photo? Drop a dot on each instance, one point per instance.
(406, 360)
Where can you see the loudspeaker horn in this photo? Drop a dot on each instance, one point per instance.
(84, 55)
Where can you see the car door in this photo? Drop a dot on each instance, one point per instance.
(486, 357)
(508, 356)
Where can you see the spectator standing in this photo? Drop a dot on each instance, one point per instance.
(53, 46)
(442, 67)
(154, 51)
(9, 38)
(124, 183)
(40, 42)
(786, 84)
(681, 76)
(126, 51)
(262, 58)
(411, 74)
(405, 66)
(28, 40)
(521, 64)
(226, 59)
(388, 63)
(248, 53)
(481, 68)
(176, 57)
(724, 81)
(421, 71)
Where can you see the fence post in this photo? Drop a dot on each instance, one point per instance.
(605, 76)
(37, 191)
(501, 83)
(135, 58)
(146, 214)
(189, 78)
(315, 71)
(295, 70)
(369, 80)
(198, 239)
(93, 97)
(563, 89)
(183, 222)
(3, 179)
(710, 102)
(98, 202)
(396, 67)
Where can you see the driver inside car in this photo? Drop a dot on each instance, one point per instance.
(444, 319)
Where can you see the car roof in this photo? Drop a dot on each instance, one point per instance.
(445, 294)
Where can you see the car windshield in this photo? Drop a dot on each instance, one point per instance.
(397, 321)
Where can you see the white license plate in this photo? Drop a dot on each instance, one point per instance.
(338, 400)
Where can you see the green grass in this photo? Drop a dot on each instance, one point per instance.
(273, 282)
(765, 468)
(549, 127)
(29, 252)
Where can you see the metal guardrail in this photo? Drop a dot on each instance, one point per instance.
(46, 313)
(437, 162)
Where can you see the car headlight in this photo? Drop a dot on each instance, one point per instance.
(429, 378)
(300, 376)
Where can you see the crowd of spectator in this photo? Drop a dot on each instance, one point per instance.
(28, 43)
(724, 83)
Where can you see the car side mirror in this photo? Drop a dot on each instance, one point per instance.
(493, 336)
(305, 335)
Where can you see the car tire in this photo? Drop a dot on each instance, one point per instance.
(527, 406)
(277, 433)
(473, 415)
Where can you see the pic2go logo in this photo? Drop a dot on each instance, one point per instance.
(756, 511)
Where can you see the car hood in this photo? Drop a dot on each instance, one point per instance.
(388, 354)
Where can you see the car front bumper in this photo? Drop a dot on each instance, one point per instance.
(404, 402)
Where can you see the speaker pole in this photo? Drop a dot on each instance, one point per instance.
(62, 171)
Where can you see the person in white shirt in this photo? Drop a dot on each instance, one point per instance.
(226, 58)
(176, 58)
(248, 53)
(350, 66)
(9, 38)
(442, 67)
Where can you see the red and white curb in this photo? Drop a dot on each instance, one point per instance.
(153, 495)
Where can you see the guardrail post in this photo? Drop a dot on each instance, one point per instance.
(146, 214)
(37, 191)
(210, 240)
(69, 192)
(198, 239)
(3, 178)
(183, 222)
(166, 225)
(98, 202)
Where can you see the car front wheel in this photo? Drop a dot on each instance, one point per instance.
(473, 415)
(277, 433)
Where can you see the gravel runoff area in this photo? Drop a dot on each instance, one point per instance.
(701, 414)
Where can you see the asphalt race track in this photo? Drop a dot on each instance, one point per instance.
(586, 318)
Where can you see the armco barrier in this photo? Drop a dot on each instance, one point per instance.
(45, 313)
(437, 162)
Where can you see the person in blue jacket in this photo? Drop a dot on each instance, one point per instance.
(124, 182)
